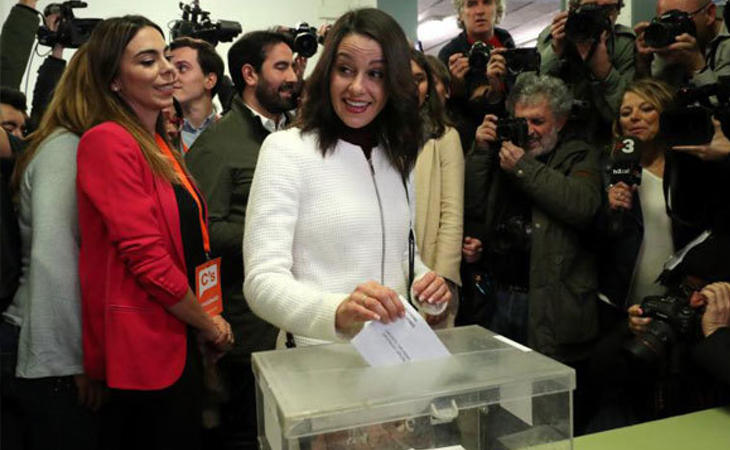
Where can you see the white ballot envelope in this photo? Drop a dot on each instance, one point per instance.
(407, 339)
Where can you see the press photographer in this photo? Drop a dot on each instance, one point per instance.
(472, 95)
(526, 200)
(594, 56)
(684, 43)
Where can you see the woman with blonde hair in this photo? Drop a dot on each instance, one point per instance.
(144, 235)
(57, 399)
(638, 250)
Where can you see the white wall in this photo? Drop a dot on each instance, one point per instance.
(252, 14)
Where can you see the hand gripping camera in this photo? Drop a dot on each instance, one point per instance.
(663, 30)
(517, 60)
(196, 23)
(513, 130)
(587, 22)
(672, 319)
(71, 31)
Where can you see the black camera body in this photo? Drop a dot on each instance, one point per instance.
(514, 130)
(673, 319)
(663, 30)
(587, 22)
(520, 60)
(304, 39)
(196, 23)
(689, 121)
(71, 31)
(478, 56)
(517, 60)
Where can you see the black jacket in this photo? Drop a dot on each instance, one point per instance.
(223, 160)
(469, 114)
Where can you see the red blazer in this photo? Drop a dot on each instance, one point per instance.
(131, 264)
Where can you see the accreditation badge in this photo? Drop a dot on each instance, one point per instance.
(208, 286)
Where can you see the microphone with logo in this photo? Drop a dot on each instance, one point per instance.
(626, 168)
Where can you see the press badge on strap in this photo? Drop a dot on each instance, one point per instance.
(208, 286)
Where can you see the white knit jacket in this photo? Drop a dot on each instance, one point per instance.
(314, 232)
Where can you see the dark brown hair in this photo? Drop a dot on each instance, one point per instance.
(105, 50)
(398, 124)
(433, 116)
(208, 59)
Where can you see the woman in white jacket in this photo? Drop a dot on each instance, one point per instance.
(326, 245)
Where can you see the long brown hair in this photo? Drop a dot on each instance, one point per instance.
(433, 116)
(398, 124)
(69, 109)
(106, 47)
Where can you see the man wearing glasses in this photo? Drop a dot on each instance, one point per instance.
(594, 56)
(697, 58)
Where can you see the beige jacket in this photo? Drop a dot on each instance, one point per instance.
(439, 182)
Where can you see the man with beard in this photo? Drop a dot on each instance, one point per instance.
(528, 203)
(223, 160)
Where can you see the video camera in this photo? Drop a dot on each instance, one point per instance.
(304, 39)
(71, 32)
(196, 23)
(587, 22)
(518, 60)
(663, 30)
(689, 121)
(514, 130)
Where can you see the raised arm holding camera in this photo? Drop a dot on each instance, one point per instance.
(594, 56)
(476, 66)
(684, 43)
(547, 187)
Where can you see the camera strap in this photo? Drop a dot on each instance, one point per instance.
(411, 244)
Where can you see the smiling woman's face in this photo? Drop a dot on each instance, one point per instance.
(146, 79)
(638, 117)
(357, 81)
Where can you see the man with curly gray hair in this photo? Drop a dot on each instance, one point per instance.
(476, 92)
(526, 203)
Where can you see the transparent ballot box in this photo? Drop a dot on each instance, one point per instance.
(490, 394)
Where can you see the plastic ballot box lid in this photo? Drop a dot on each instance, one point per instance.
(319, 389)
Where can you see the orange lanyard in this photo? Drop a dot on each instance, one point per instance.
(189, 187)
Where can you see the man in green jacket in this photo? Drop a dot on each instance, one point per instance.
(223, 160)
(596, 70)
(527, 207)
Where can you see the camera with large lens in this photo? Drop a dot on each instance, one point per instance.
(587, 22)
(478, 56)
(196, 23)
(305, 39)
(663, 30)
(514, 130)
(673, 319)
(71, 31)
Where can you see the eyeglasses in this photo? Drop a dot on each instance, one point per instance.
(698, 10)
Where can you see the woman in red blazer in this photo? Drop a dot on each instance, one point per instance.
(143, 232)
